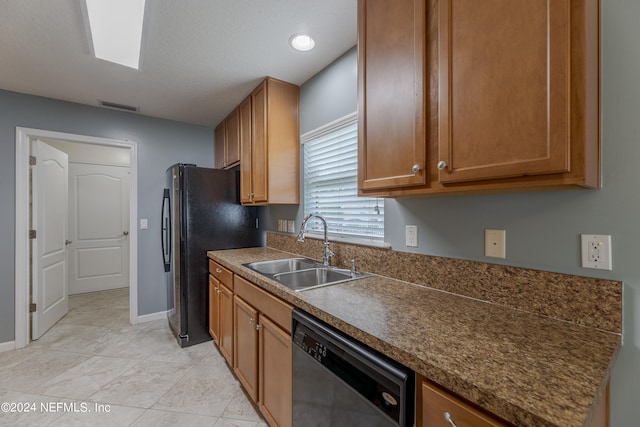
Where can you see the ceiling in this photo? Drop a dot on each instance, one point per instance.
(200, 57)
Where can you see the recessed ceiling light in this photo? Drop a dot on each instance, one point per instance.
(116, 30)
(302, 42)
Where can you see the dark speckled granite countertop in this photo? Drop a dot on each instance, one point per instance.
(529, 369)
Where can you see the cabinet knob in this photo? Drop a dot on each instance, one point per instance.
(449, 419)
(416, 168)
(218, 270)
(258, 326)
(218, 291)
(442, 165)
(251, 320)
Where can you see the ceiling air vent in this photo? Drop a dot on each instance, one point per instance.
(120, 107)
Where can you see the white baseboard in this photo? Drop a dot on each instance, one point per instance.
(7, 346)
(153, 316)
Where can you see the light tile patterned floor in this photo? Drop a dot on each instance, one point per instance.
(94, 368)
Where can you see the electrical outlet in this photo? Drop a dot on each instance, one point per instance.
(291, 226)
(411, 236)
(596, 251)
(495, 243)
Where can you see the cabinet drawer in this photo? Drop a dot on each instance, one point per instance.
(436, 403)
(273, 307)
(222, 274)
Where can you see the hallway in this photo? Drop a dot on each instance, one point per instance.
(94, 368)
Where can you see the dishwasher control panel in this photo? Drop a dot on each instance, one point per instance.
(310, 344)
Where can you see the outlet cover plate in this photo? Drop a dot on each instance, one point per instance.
(495, 243)
(596, 251)
(411, 236)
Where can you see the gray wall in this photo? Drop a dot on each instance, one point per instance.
(542, 228)
(160, 144)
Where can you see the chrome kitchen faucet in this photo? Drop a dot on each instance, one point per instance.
(328, 253)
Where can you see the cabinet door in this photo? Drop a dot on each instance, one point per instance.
(245, 355)
(219, 144)
(232, 140)
(214, 308)
(504, 88)
(275, 374)
(245, 150)
(226, 323)
(392, 142)
(259, 144)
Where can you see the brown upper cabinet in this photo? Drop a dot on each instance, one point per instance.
(227, 141)
(499, 95)
(391, 94)
(270, 144)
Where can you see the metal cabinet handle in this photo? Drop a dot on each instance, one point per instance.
(449, 419)
(416, 168)
(67, 242)
(442, 165)
(251, 320)
(258, 327)
(218, 291)
(126, 233)
(218, 270)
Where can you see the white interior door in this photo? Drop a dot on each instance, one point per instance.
(49, 219)
(98, 227)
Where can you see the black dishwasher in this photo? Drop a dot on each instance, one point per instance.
(340, 382)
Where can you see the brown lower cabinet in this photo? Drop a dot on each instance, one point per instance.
(437, 407)
(245, 361)
(214, 304)
(221, 309)
(442, 409)
(226, 323)
(262, 350)
(275, 373)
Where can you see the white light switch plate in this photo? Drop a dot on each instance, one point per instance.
(495, 243)
(144, 224)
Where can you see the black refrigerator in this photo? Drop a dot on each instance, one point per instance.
(201, 211)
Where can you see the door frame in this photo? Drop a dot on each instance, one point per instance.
(22, 262)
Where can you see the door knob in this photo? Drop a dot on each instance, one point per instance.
(126, 233)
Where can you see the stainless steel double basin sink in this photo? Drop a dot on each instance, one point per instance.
(301, 274)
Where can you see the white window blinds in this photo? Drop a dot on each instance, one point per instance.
(331, 183)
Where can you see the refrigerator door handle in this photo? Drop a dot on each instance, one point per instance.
(166, 232)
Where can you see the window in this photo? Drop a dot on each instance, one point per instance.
(331, 183)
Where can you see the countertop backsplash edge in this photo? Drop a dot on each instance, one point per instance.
(586, 301)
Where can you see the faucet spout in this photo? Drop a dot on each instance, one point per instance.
(328, 253)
